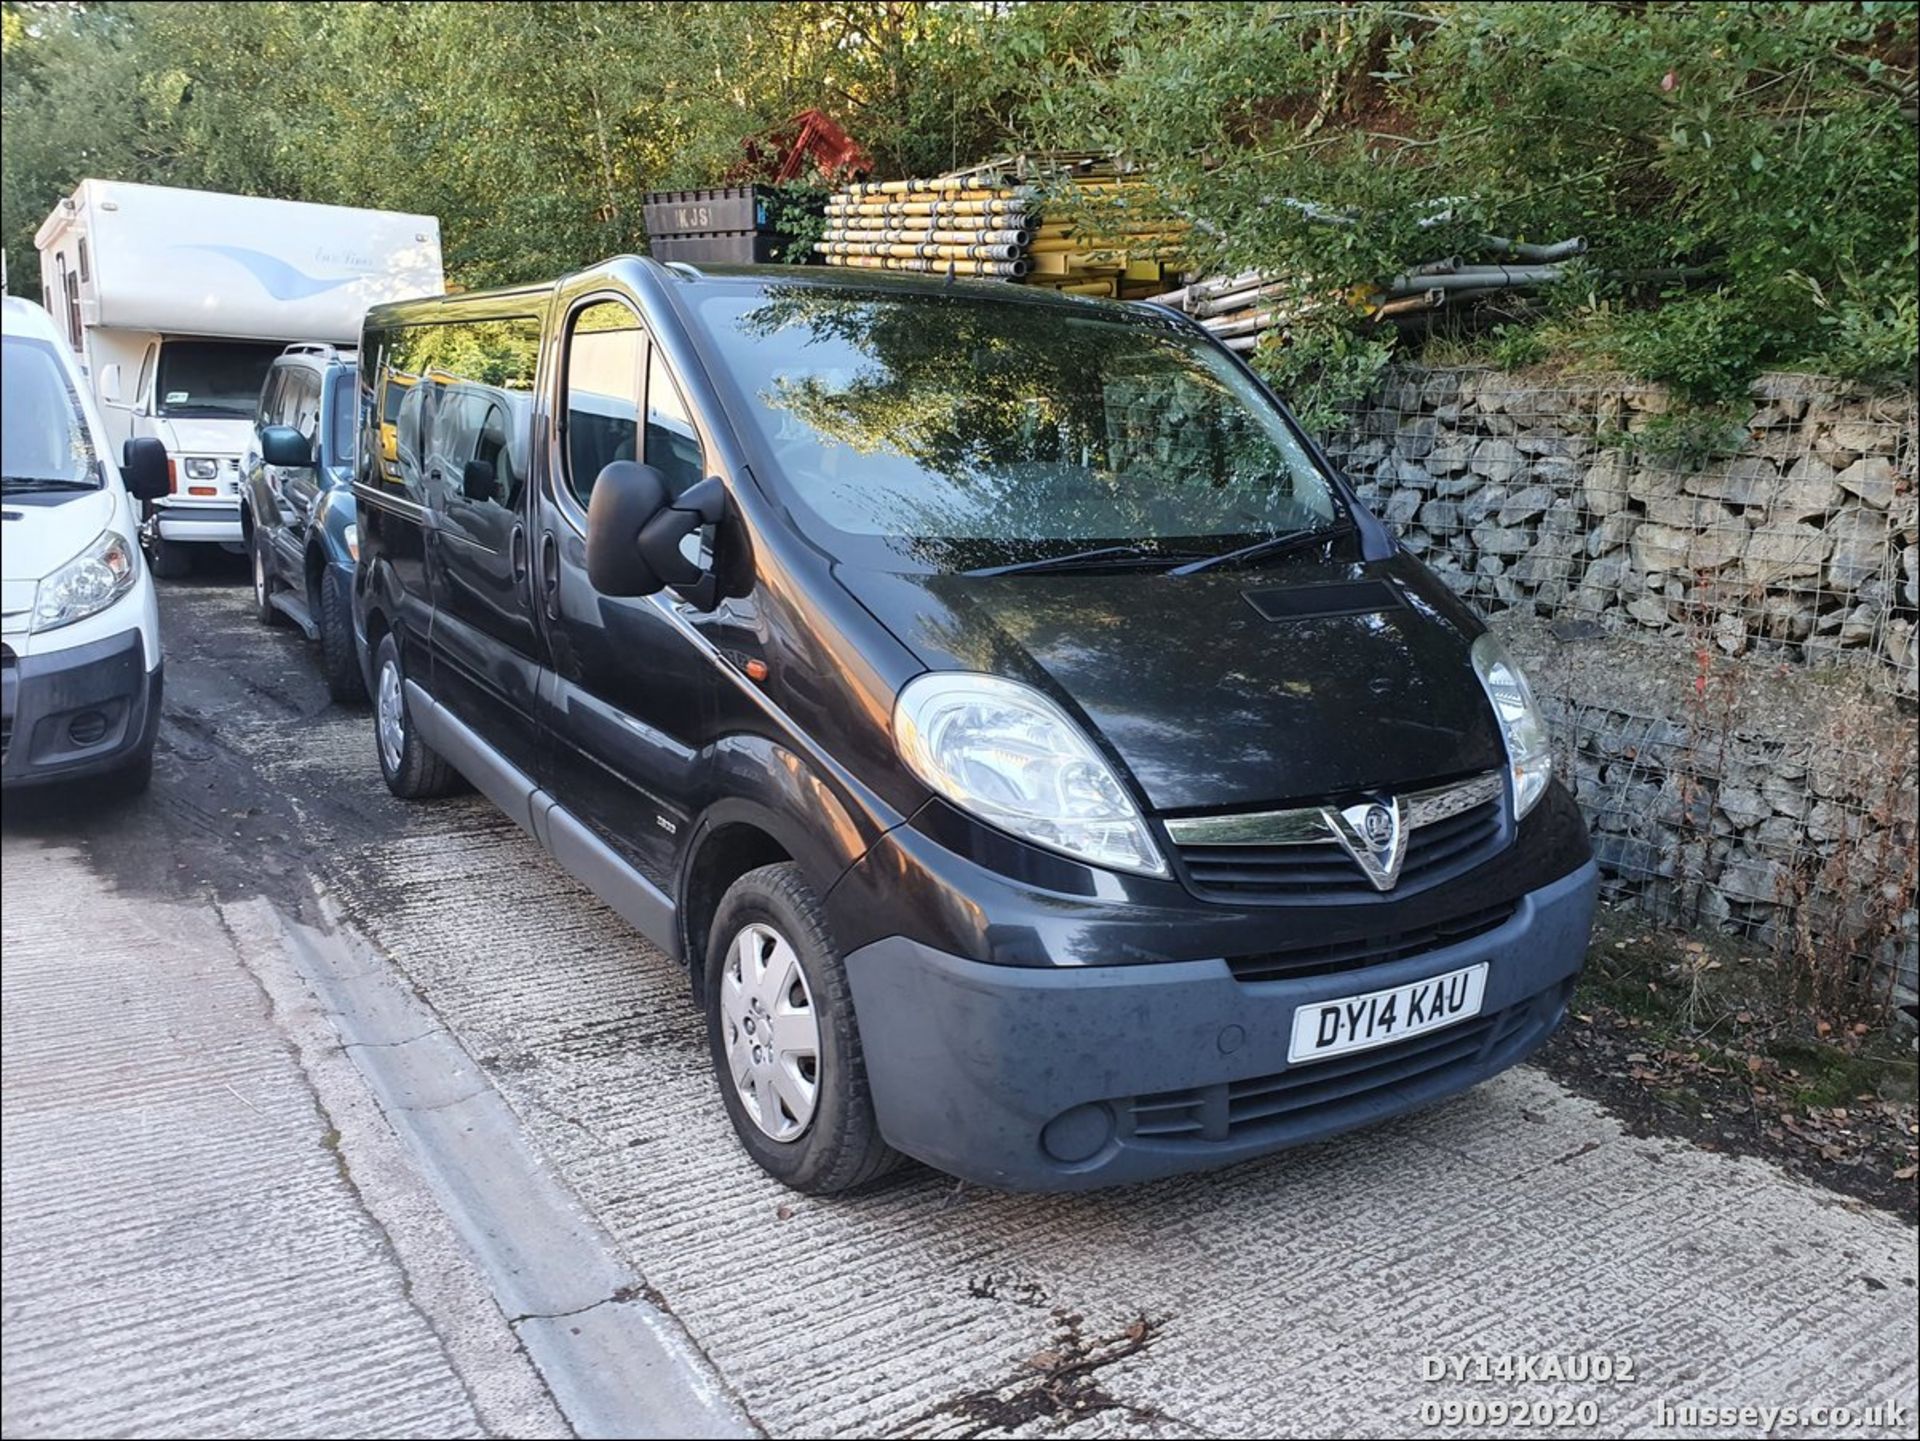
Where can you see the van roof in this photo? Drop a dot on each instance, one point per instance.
(761, 277)
(23, 317)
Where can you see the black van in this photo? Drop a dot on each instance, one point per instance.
(1041, 762)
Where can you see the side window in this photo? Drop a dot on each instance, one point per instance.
(673, 447)
(605, 353)
(427, 375)
(267, 414)
(302, 403)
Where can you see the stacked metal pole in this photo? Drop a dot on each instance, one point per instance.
(1078, 226)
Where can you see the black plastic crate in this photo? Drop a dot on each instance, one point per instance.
(708, 212)
(738, 247)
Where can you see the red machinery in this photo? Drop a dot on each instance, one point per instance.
(811, 135)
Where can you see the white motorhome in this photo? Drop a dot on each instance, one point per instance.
(176, 302)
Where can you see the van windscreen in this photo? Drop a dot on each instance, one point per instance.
(44, 444)
(963, 428)
(214, 378)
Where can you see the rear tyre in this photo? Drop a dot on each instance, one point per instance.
(169, 559)
(784, 1043)
(264, 584)
(412, 769)
(339, 662)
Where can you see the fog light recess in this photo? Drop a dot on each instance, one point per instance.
(1078, 1134)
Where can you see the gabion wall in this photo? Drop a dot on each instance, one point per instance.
(1569, 497)
(1745, 752)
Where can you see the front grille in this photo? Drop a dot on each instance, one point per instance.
(1351, 955)
(1321, 869)
(1347, 1090)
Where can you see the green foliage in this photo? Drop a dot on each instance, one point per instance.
(1707, 347)
(1745, 175)
(1686, 438)
(798, 217)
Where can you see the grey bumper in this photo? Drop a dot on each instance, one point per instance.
(78, 712)
(1070, 1078)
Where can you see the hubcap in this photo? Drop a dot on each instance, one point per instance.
(772, 1034)
(390, 718)
(259, 576)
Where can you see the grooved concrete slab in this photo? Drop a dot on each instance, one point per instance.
(184, 1254)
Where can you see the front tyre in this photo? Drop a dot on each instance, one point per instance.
(169, 559)
(412, 769)
(339, 661)
(784, 1043)
(264, 586)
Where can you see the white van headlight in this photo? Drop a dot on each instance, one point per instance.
(87, 584)
(201, 468)
(1003, 752)
(1528, 758)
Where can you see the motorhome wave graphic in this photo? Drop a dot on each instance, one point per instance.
(279, 279)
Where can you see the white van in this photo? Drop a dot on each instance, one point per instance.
(79, 630)
(176, 302)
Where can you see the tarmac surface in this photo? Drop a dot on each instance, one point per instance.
(1312, 1293)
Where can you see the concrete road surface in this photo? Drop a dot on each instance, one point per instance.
(1517, 1229)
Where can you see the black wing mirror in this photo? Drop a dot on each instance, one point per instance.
(626, 495)
(635, 528)
(702, 503)
(143, 468)
(286, 447)
(477, 480)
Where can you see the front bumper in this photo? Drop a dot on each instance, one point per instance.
(1064, 1079)
(197, 520)
(77, 712)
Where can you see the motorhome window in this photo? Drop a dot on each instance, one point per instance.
(963, 430)
(673, 447)
(212, 378)
(606, 356)
(44, 443)
(74, 332)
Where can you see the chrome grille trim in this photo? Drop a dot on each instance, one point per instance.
(1308, 825)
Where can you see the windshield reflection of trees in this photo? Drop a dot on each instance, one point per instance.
(1015, 424)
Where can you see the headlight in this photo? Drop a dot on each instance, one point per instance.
(1521, 724)
(199, 468)
(90, 582)
(1005, 753)
(350, 537)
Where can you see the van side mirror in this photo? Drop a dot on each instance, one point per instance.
(143, 468)
(702, 503)
(286, 447)
(477, 480)
(626, 495)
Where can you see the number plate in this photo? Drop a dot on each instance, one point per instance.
(1378, 1018)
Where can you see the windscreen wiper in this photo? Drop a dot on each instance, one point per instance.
(1272, 545)
(48, 482)
(1074, 560)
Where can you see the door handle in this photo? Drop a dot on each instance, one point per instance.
(550, 574)
(517, 553)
